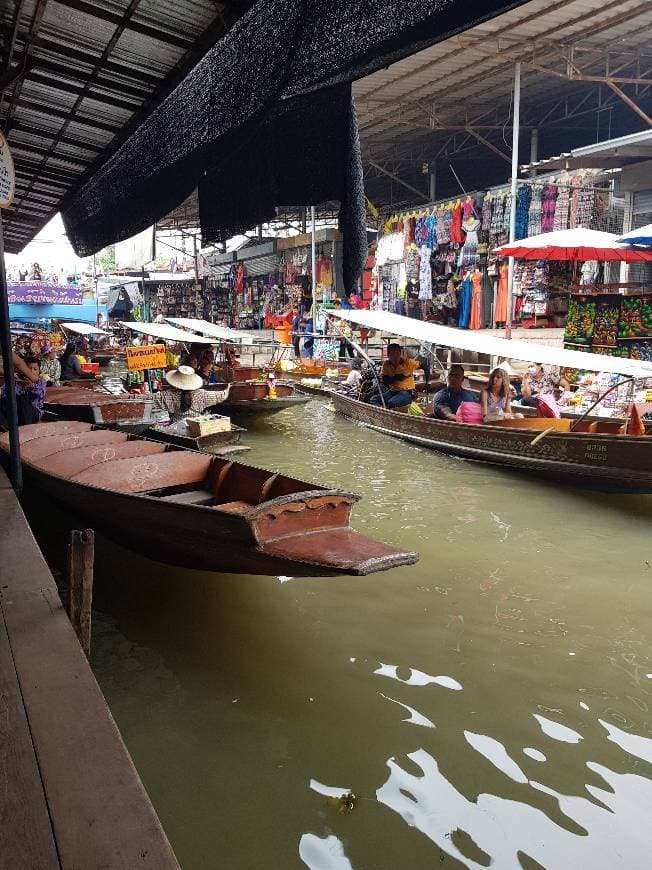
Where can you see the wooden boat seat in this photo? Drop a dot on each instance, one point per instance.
(42, 430)
(68, 463)
(538, 423)
(175, 468)
(235, 507)
(40, 447)
(194, 496)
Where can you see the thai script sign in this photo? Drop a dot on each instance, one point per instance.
(149, 356)
(40, 293)
(7, 174)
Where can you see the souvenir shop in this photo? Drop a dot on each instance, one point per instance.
(246, 288)
(436, 263)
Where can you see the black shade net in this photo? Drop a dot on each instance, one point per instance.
(265, 120)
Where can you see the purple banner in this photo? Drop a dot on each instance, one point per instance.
(40, 293)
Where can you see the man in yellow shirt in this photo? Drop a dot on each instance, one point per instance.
(398, 379)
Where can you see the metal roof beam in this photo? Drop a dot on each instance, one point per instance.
(128, 24)
(70, 73)
(88, 59)
(30, 130)
(98, 96)
(396, 178)
(51, 112)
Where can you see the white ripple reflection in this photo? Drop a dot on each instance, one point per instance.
(503, 828)
(326, 854)
(418, 678)
(557, 731)
(495, 752)
(416, 718)
(327, 790)
(636, 745)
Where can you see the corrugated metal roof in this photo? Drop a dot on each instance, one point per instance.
(83, 73)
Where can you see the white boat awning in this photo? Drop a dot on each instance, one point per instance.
(167, 333)
(446, 336)
(84, 329)
(224, 333)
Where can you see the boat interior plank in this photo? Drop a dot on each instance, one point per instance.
(41, 447)
(68, 463)
(145, 474)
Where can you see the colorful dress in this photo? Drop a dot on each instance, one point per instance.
(500, 314)
(464, 303)
(456, 234)
(475, 320)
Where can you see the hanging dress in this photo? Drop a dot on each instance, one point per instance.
(425, 274)
(500, 314)
(522, 211)
(457, 236)
(475, 320)
(464, 303)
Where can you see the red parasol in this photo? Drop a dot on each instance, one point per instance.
(575, 244)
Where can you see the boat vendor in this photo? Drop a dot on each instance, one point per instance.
(186, 398)
(446, 402)
(538, 381)
(398, 379)
(50, 366)
(71, 368)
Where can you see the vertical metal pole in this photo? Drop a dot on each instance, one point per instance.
(534, 149)
(16, 470)
(512, 217)
(433, 182)
(314, 268)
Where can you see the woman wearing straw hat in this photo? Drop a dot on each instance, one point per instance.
(186, 398)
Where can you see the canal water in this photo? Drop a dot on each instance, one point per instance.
(489, 706)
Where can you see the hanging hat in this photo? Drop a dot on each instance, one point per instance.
(184, 378)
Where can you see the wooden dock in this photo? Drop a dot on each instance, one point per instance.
(70, 796)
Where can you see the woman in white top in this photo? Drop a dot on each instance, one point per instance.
(186, 398)
(496, 399)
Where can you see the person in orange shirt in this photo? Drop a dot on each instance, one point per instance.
(398, 379)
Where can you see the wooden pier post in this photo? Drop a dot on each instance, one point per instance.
(81, 554)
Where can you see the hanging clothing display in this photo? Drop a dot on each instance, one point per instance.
(534, 214)
(487, 212)
(456, 235)
(522, 209)
(548, 203)
(425, 274)
(487, 297)
(500, 314)
(561, 209)
(475, 319)
(412, 263)
(464, 303)
(469, 252)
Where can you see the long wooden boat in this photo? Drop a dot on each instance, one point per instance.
(71, 403)
(198, 511)
(251, 397)
(218, 443)
(593, 456)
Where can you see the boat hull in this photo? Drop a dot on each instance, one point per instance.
(605, 462)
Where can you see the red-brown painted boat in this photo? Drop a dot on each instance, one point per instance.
(198, 511)
(72, 403)
(252, 397)
(594, 455)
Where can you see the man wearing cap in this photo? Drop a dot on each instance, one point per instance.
(186, 397)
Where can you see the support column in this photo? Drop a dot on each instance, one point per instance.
(433, 181)
(512, 217)
(313, 245)
(534, 149)
(16, 469)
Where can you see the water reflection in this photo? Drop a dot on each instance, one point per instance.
(242, 698)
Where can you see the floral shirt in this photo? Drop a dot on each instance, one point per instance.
(170, 401)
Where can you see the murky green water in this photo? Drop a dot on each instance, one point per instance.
(488, 706)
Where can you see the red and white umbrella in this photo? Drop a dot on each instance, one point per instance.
(575, 244)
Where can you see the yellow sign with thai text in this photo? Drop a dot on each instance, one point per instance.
(149, 356)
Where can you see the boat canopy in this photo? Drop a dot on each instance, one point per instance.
(167, 333)
(204, 326)
(84, 329)
(447, 336)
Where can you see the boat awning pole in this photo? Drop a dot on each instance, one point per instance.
(314, 266)
(512, 216)
(16, 470)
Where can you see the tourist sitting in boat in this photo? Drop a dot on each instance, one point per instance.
(71, 369)
(50, 366)
(446, 402)
(496, 399)
(398, 379)
(538, 381)
(186, 398)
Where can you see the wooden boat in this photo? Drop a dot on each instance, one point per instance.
(594, 455)
(217, 443)
(229, 374)
(198, 511)
(72, 403)
(251, 397)
(314, 369)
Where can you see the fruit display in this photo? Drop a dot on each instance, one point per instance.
(605, 330)
(580, 322)
(635, 318)
(641, 350)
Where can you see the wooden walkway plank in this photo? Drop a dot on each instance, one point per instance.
(26, 839)
(100, 812)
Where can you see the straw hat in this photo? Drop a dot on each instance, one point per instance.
(184, 378)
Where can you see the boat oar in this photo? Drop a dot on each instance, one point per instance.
(541, 435)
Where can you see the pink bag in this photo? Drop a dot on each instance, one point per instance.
(547, 406)
(469, 412)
